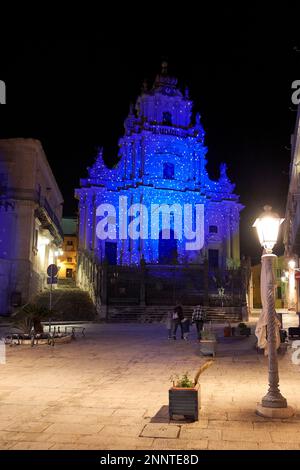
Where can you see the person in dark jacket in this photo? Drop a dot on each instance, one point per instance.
(199, 317)
(177, 319)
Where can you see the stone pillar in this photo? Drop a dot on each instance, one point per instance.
(206, 283)
(82, 222)
(228, 236)
(273, 404)
(236, 244)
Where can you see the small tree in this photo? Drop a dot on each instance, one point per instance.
(30, 317)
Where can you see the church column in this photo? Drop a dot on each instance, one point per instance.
(89, 222)
(236, 244)
(82, 221)
(98, 244)
(135, 252)
(235, 235)
(206, 284)
(94, 235)
(103, 294)
(228, 235)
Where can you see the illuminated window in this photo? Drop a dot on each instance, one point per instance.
(69, 260)
(213, 229)
(168, 171)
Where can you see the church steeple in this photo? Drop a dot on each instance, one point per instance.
(164, 68)
(166, 84)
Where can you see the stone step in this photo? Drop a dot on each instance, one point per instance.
(150, 314)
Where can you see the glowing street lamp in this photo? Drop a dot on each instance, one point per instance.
(273, 404)
(267, 226)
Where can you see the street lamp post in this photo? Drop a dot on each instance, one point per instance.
(273, 404)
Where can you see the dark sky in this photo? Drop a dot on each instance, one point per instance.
(74, 96)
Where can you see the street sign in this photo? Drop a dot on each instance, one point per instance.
(51, 280)
(52, 270)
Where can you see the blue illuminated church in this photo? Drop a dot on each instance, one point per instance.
(162, 160)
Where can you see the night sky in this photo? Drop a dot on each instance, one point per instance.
(74, 96)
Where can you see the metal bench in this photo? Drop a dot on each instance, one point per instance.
(57, 329)
(34, 338)
(294, 331)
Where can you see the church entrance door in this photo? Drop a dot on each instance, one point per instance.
(167, 249)
(111, 253)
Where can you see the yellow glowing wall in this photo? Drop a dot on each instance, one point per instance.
(67, 262)
(281, 287)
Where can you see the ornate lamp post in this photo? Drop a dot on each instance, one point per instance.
(273, 404)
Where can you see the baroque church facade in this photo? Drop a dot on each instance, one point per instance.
(162, 162)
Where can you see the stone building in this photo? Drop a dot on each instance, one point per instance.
(281, 284)
(30, 216)
(291, 237)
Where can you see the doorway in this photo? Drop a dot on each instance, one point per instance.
(167, 249)
(69, 273)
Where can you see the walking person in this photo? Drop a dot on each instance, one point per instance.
(199, 317)
(169, 323)
(177, 319)
(185, 328)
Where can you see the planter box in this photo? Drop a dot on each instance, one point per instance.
(184, 401)
(208, 347)
(244, 331)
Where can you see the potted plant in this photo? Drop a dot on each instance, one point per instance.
(184, 395)
(208, 343)
(243, 330)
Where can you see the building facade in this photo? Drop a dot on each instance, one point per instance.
(161, 170)
(30, 216)
(281, 275)
(292, 221)
(67, 260)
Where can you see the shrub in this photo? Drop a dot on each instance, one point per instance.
(30, 317)
(183, 382)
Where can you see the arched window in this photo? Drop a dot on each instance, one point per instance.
(168, 171)
(167, 118)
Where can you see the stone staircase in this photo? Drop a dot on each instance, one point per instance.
(156, 313)
(68, 303)
(66, 283)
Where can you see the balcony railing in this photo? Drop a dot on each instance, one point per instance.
(20, 194)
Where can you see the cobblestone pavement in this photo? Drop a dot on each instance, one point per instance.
(110, 391)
